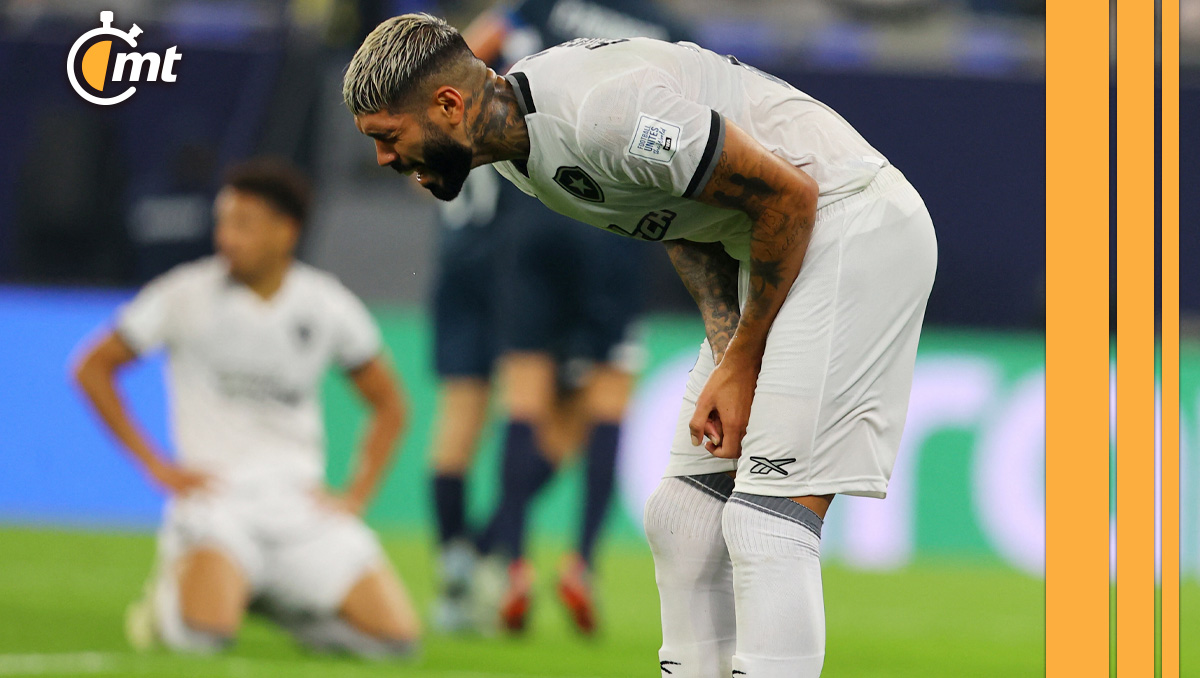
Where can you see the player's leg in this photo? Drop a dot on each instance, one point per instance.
(691, 561)
(775, 547)
(212, 592)
(607, 395)
(829, 407)
(529, 390)
(332, 587)
(530, 315)
(603, 405)
(609, 298)
(464, 349)
(207, 563)
(376, 619)
(462, 407)
(567, 429)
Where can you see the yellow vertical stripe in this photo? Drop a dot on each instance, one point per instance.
(95, 64)
(1170, 339)
(1135, 338)
(1077, 339)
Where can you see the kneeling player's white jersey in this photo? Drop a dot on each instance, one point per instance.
(244, 373)
(623, 132)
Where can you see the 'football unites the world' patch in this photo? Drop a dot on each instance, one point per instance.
(655, 140)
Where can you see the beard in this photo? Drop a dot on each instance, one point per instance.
(449, 160)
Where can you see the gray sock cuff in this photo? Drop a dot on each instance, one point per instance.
(201, 641)
(781, 507)
(329, 633)
(719, 485)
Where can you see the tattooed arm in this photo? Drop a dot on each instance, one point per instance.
(710, 275)
(781, 201)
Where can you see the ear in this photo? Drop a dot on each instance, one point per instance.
(449, 103)
(291, 230)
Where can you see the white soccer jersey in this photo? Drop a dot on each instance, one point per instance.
(623, 132)
(244, 373)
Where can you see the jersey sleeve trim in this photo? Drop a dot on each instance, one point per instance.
(520, 85)
(352, 366)
(708, 160)
(126, 337)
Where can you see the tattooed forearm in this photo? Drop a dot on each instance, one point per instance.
(781, 202)
(710, 275)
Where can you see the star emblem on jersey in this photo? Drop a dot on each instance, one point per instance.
(763, 466)
(665, 663)
(576, 182)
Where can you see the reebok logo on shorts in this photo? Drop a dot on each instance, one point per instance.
(665, 663)
(763, 466)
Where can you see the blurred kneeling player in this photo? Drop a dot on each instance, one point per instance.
(249, 335)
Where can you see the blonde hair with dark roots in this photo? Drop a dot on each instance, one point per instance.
(396, 58)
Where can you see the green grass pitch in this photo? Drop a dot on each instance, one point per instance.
(62, 595)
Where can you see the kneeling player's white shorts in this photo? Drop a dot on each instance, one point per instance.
(836, 375)
(298, 555)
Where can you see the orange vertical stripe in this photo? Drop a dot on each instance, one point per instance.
(1170, 339)
(1135, 338)
(1077, 339)
(95, 64)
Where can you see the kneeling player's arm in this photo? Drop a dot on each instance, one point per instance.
(380, 390)
(96, 375)
(711, 276)
(781, 201)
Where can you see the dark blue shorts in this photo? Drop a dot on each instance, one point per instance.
(566, 288)
(464, 304)
(533, 281)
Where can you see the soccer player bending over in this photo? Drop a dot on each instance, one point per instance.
(249, 335)
(810, 256)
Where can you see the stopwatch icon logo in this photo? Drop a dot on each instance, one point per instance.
(98, 68)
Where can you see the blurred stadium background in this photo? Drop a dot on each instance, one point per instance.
(943, 578)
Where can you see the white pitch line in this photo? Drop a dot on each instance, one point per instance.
(97, 663)
(43, 664)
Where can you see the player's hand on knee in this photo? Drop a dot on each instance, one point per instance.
(178, 481)
(706, 425)
(723, 410)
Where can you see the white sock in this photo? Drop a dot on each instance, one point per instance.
(694, 574)
(775, 546)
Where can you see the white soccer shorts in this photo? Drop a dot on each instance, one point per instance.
(833, 391)
(297, 554)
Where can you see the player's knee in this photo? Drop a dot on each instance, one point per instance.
(607, 404)
(754, 524)
(451, 462)
(683, 518)
(608, 395)
(606, 410)
(660, 515)
(528, 387)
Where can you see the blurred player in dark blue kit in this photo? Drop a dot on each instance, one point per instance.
(545, 302)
